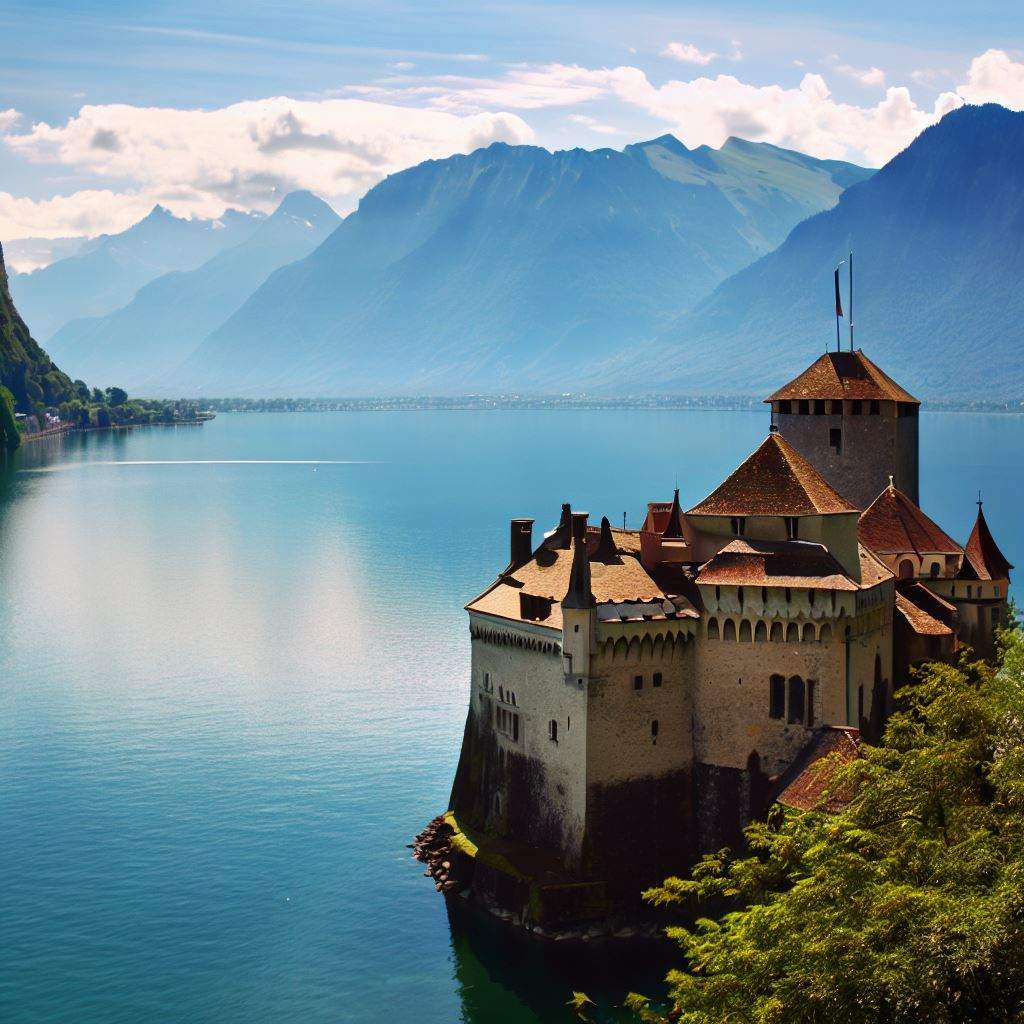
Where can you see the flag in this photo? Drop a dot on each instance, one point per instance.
(839, 301)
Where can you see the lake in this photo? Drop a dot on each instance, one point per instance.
(233, 675)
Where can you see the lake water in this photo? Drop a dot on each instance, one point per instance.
(232, 688)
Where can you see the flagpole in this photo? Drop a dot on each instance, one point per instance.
(851, 300)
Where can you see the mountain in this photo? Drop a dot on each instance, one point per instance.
(108, 271)
(511, 267)
(169, 317)
(25, 369)
(938, 238)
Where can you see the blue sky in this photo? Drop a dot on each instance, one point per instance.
(106, 108)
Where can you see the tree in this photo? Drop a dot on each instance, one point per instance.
(102, 416)
(98, 397)
(10, 436)
(908, 905)
(117, 396)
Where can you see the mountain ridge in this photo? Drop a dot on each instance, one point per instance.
(491, 269)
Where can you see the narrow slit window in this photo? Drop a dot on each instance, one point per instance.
(777, 697)
(638, 682)
(835, 440)
(796, 700)
(656, 679)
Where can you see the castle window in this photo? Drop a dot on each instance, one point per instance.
(819, 407)
(785, 406)
(935, 570)
(803, 407)
(638, 682)
(654, 730)
(793, 633)
(777, 697)
(775, 634)
(553, 731)
(874, 408)
(656, 679)
(729, 630)
(739, 526)
(810, 703)
(793, 527)
(855, 407)
(906, 569)
(796, 700)
(739, 597)
(808, 634)
(835, 440)
(760, 632)
(712, 629)
(745, 636)
(718, 593)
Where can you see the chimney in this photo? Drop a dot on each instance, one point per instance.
(579, 594)
(606, 550)
(520, 543)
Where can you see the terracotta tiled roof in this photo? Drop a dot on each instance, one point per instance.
(983, 554)
(776, 480)
(872, 569)
(776, 564)
(892, 524)
(547, 574)
(919, 620)
(840, 375)
(807, 784)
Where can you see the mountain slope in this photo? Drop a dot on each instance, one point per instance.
(25, 369)
(938, 236)
(109, 270)
(170, 316)
(510, 268)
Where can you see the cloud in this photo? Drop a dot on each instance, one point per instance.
(247, 155)
(866, 76)
(88, 212)
(8, 119)
(994, 78)
(593, 124)
(687, 53)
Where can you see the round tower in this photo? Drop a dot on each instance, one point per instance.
(855, 425)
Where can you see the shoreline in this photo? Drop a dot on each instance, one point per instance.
(62, 431)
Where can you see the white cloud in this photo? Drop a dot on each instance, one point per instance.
(687, 53)
(866, 76)
(994, 78)
(593, 124)
(88, 212)
(8, 119)
(248, 155)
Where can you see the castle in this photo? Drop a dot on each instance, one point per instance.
(638, 696)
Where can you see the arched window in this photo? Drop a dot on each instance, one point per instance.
(792, 633)
(935, 570)
(712, 628)
(808, 635)
(796, 699)
(825, 634)
(760, 633)
(729, 630)
(776, 635)
(777, 697)
(906, 570)
(745, 632)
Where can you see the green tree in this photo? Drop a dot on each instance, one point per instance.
(907, 906)
(10, 436)
(117, 396)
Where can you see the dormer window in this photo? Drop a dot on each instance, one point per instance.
(739, 525)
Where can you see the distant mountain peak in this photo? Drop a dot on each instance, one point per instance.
(305, 205)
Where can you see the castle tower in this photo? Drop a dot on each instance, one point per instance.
(853, 423)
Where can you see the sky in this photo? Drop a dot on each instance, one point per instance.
(108, 108)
